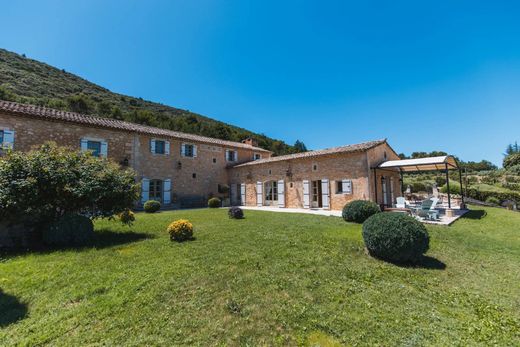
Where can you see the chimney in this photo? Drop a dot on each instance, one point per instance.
(251, 142)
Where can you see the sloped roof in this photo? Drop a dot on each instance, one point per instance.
(359, 147)
(421, 164)
(78, 118)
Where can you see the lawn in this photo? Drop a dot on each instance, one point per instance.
(272, 278)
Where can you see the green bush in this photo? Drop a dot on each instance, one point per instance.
(70, 230)
(511, 160)
(235, 213)
(52, 181)
(214, 203)
(395, 237)
(514, 169)
(127, 217)
(359, 210)
(180, 230)
(493, 200)
(483, 191)
(152, 206)
(454, 188)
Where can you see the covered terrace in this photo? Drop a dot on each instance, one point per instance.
(432, 209)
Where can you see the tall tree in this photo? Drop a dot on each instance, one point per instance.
(300, 147)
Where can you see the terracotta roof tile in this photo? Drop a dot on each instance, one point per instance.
(360, 147)
(58, 115)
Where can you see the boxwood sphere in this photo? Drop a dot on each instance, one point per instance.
(152, 206)
(359, 210)
(395, 237)
(214, 203)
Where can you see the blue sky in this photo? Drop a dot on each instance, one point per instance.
(439, 75)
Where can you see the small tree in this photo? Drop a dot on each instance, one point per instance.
(50, 182)
(511, 160)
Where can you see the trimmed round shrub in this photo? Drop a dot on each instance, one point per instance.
(395, 237)
(180, 230)
(214, 203)
(359, 210)
(235, 213)
(127, 217)
(70, 230)
(493, 200)
(152, 206)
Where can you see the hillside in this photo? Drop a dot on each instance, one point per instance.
(29, 81)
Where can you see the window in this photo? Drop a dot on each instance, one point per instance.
(159, 147)
(271, 191)
(1, 136)
(188, 150)
(344, 187)
(257, 156)
(156, 190)
(384, 155)
(94, 147)
(214, 160)
(290, 185)
(231, 155)
(194, 175)
(269, 171)
(314, 167)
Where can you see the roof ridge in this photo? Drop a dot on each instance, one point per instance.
(96, 120)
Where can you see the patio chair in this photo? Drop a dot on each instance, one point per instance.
(427, 209)
(400, 202)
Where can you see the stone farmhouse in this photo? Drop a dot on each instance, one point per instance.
(183, 170)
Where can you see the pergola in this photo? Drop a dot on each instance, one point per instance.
(443, 163)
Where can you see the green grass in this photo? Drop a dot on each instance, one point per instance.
(272, 278)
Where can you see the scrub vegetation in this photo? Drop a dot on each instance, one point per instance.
(271, 278)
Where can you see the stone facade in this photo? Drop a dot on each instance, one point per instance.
(319, 179)
(327, 171)
(193, 179)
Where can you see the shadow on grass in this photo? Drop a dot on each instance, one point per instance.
(426, 262)
(107, 238)
(103, 238)
(475, 214)
(11, 309)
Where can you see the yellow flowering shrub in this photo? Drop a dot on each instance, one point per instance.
(180, 230)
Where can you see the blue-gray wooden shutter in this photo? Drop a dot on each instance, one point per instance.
(167, 147)
(152, 146)
(259, 194)
(145, 190)
(8, 139)
(281, 193)
(167, 191)
(84, 145)
(104, 149)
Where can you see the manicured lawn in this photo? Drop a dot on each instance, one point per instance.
(272, 278)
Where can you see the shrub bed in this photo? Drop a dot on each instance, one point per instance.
(70, 230)
(395, 237)
(152, 206)
(236, 213)
(214, 203)
(359, 210)
(180, 230)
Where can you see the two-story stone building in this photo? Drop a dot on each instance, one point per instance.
(183, 170)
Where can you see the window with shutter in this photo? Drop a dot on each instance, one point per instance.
(7, 141)
(159, 147)
(188, 150)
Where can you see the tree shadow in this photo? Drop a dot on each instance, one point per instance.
(11, 309)
(103, 238)
(474, 214)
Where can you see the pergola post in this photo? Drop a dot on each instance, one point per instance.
(448, 185)
(402, 181)
(461, 189)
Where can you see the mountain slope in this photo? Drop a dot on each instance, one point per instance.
(30, 81)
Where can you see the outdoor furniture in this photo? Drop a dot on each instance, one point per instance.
(399, 210)
(427, 209)
(400, 202)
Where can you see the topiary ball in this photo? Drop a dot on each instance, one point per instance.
(180, 230)
(69, 230)
(359, 210)
(235, 213)
(127, 217)
(214, 203)
(395, 237)
(152, 206)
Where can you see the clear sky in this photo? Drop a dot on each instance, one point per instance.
(436, 75)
